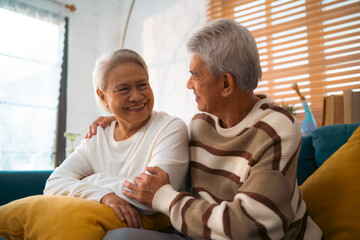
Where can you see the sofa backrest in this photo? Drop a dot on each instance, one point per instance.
(19, 184)
(320, 145)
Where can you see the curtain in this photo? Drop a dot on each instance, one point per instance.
(31, 55)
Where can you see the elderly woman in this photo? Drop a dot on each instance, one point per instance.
(137, 138)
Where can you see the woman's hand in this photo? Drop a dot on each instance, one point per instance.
(100, 121)
(123, 210)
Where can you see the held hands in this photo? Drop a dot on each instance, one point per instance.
(123, 210)
(100, 121)
(147, 185)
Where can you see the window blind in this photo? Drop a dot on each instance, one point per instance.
(315, 44)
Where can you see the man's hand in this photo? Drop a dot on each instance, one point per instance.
(147, 185)
(100, 121)
(123, 210)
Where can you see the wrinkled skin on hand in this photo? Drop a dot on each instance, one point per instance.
(146, 185)
(123, 210)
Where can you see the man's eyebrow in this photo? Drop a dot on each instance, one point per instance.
(141, 80)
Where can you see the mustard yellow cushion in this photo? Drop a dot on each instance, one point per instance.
(332, 193)
(59, 217)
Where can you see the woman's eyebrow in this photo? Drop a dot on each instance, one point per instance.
(120, 85)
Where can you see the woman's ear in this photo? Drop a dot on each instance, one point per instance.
(102, 97)
(100, 94)
(228, 84)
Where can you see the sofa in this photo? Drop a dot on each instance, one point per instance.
(316, 148)
(19, 184)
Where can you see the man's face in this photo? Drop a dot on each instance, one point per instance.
(207, 88)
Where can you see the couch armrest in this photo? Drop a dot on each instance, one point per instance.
(19, 184)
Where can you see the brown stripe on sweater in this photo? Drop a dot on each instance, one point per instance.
(223, 173)
(260, 227)
(183, 212)
(303, 227)
(205, 219)
(295, 227)
(280, 110)
(277, 155)
(243, 131)
(222, 153)
(295, 224)
(226, 223)
(178, 198)
(291, 160)
(267, 202)
(276, 139)
(206, 118)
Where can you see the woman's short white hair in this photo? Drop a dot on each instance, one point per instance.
(106, 63)
(227, 47)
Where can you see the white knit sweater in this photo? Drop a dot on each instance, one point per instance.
(100, 165)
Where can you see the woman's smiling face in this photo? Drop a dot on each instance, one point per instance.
(128, 94)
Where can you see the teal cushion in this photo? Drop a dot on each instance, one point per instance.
(306, 162)
(328, 139)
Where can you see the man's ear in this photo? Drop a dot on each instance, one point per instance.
(228, 82)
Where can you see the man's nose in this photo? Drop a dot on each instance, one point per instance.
(189, 84)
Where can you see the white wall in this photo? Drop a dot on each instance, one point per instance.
(158, 30)
(94, 28)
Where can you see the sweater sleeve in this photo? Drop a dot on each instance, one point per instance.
(67, 179)
(169, 152)
(250, 213)
(261, 208)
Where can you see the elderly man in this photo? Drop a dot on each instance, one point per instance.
(243, 152)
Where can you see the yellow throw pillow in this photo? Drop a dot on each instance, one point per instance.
(59, 217)
(332, 193)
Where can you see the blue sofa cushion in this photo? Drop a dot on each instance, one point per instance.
(306, 164)
(328, 139)
(23, 184)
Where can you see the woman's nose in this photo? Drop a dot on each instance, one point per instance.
(135, 96)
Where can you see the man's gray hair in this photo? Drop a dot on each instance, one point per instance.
(227, 47)
(108, 62)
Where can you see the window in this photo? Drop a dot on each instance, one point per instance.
(313, 43)
(31, 51)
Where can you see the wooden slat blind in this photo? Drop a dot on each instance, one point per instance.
(313, 43)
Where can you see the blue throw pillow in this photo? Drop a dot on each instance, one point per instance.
(328, 139)
(306, 163)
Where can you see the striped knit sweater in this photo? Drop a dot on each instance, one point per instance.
(244, 180)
